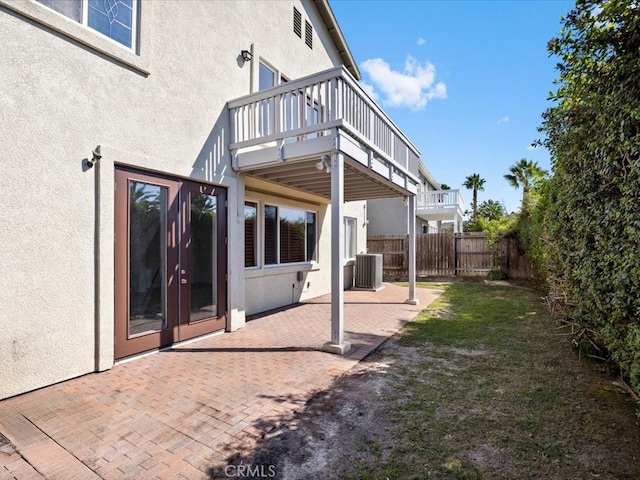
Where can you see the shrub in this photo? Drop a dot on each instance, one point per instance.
(592, 223)
(497, 275)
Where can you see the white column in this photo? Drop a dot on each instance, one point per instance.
(413, 300)
(455, 222)
(337, 344)
(236, 285)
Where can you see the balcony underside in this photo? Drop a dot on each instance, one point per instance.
(443, 214)
(295, 165)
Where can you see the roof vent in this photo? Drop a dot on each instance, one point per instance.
(308, 34)
(297, 22)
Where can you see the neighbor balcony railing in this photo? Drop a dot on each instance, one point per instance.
(435, 200)
(310, 107)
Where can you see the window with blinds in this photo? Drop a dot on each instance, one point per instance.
(289, 235)
(250, 234)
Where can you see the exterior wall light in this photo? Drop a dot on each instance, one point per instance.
(324, 164)
(246, 55)
(95, 156)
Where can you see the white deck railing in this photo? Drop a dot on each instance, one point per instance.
(439, 200)
(310, 107)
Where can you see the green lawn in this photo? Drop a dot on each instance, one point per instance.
(487, 387)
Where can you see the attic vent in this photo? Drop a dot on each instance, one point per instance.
(297, 22)
(308, 34)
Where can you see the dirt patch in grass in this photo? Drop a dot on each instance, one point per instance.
(491, 390)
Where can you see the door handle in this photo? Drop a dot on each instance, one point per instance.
(183, 281)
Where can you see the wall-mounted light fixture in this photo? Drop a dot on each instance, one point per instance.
(405, 201)
(95, 156)
(246, 55)
(324, 164)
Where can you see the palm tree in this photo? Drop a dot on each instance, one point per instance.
(475, 183)
(526, 174)
(444, 186)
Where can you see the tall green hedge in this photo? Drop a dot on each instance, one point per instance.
(591, 216)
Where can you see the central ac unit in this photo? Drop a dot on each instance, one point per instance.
(369, 272)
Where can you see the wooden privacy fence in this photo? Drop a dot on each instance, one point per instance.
(448, 254)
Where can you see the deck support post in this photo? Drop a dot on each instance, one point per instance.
(337, 344)
(413, 299)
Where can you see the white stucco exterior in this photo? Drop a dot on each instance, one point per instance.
(161, 108)
(390, 216)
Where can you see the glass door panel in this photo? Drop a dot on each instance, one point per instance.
(147, 258)
(203, 261)
(202, 257)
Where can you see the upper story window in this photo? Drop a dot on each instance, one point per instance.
(115, 19)
(266, 77)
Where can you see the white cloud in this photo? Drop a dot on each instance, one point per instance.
(421, 41)
(370, 90)
(414, 87)
(504, 120)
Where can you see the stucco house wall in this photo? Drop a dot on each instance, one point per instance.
(65, 90)
(388, 216)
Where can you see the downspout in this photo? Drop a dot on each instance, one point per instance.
(96, 155)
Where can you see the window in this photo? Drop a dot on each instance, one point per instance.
(300, 110)
(311, 237)
(292, 235)
(250, 234)
(115, 19)
(266, 79)
(313, 116)
(350, 245)
(289, 235)
(270, 235)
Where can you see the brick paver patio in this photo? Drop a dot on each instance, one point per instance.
(183, 412)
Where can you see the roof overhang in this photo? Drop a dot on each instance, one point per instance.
(324, 9)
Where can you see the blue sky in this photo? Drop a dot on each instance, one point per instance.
(466, 81)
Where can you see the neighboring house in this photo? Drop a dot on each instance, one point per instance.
(389, 216)
(169, 168)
